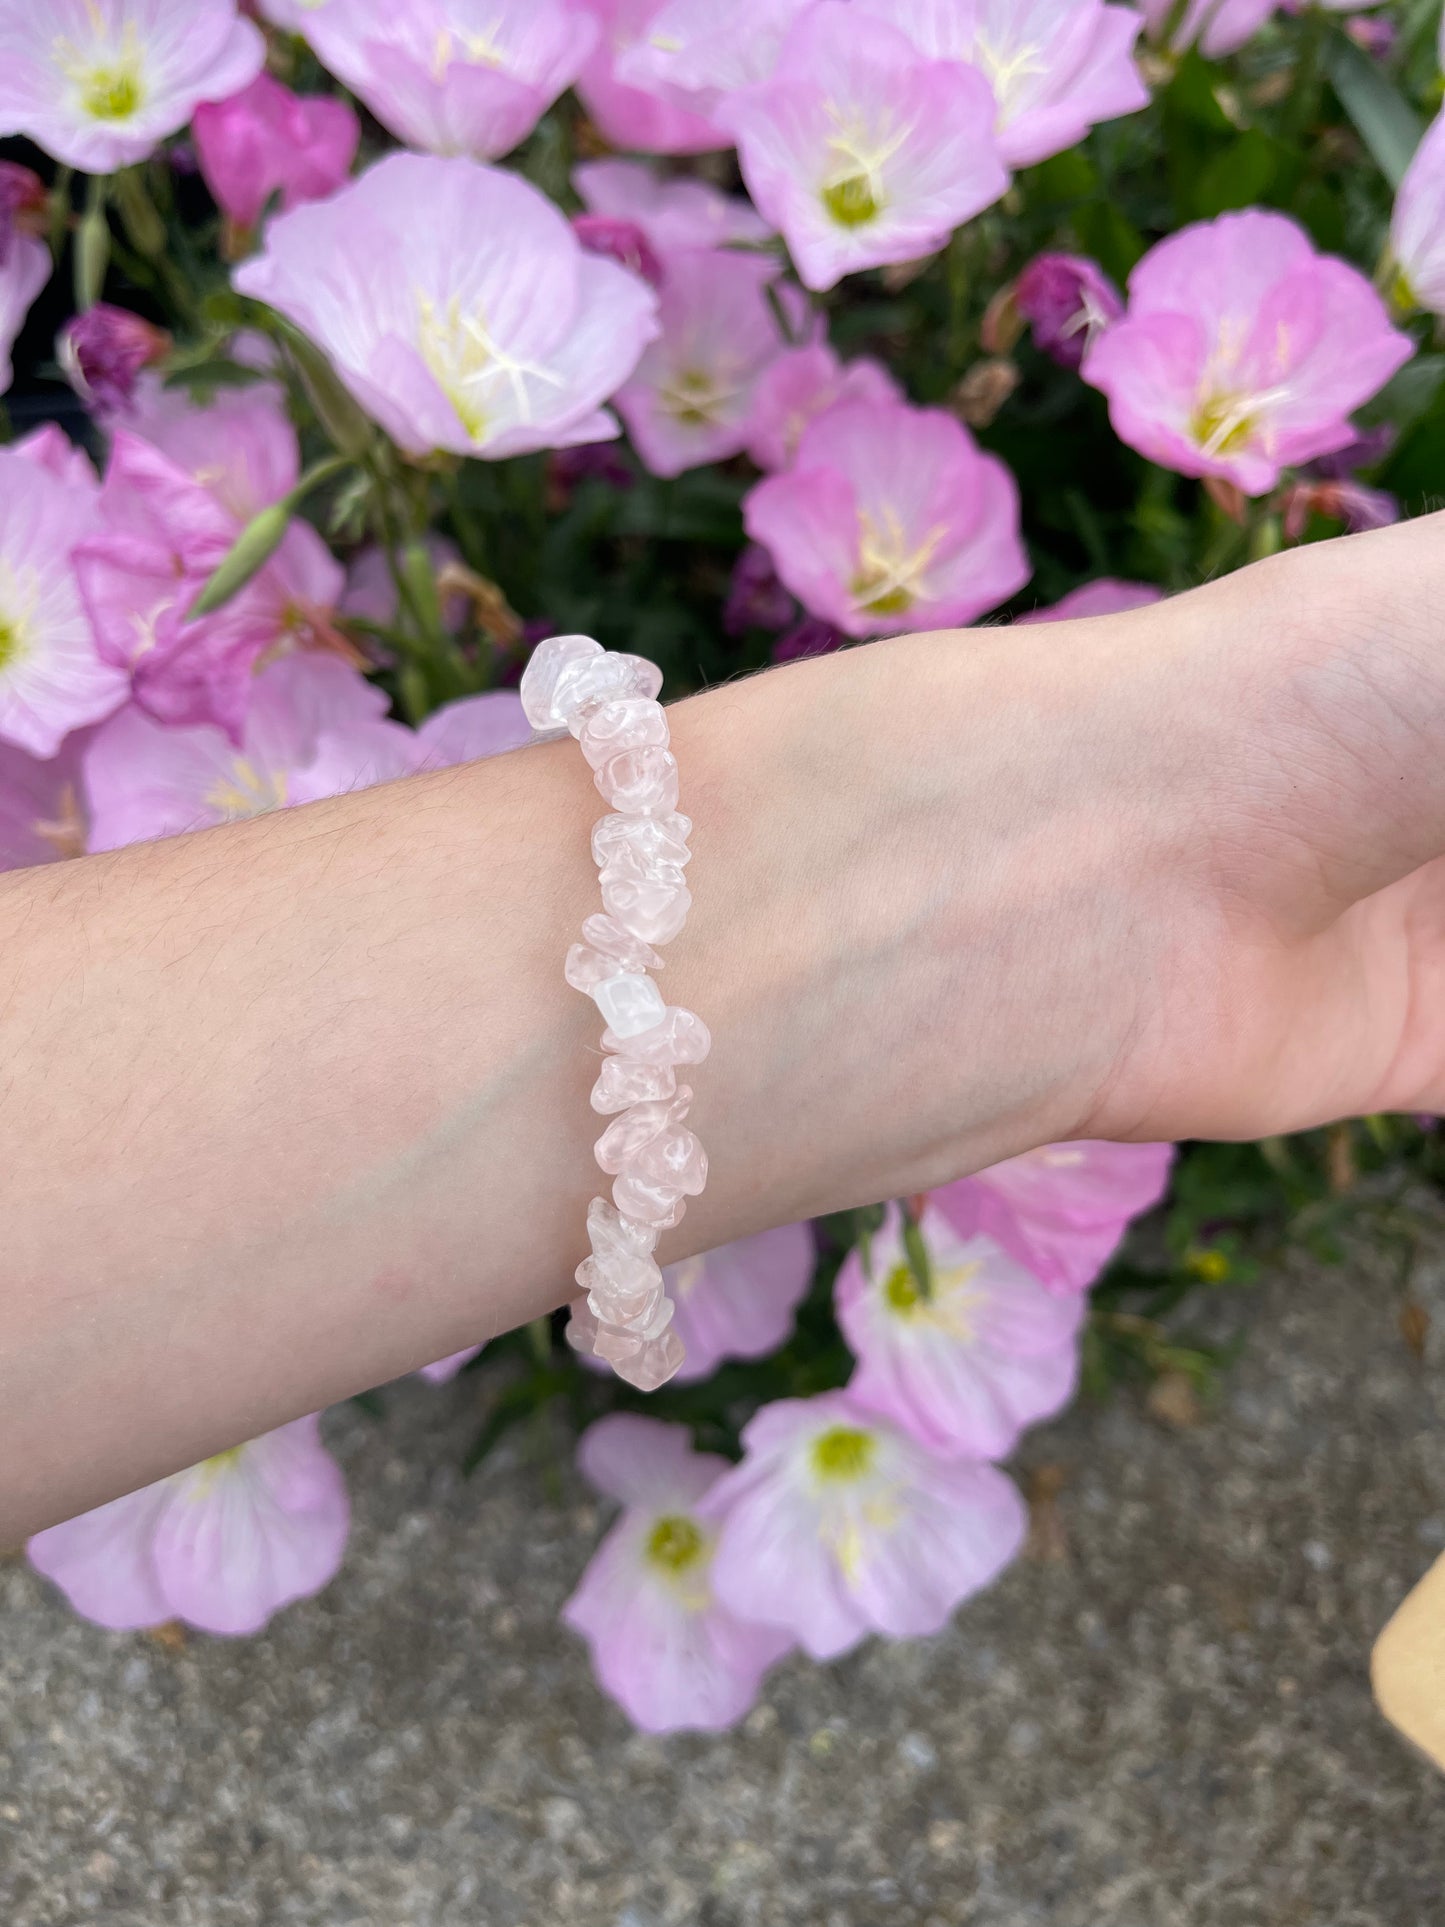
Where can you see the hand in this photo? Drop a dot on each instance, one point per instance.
(1159, 875)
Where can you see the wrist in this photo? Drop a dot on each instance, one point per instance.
(910, 911)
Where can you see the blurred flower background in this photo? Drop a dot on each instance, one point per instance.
(347, 349)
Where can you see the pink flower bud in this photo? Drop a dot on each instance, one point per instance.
(103, 350)
(621, 241)
(1068, 301)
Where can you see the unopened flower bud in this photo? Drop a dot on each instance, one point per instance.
(984, 390)
(1067, 300)
(621, 241)
(103, 351)
(22, 204)
(252, 550)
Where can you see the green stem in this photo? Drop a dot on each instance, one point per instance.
(91, 253)
(1307, 88)
(916, 1251)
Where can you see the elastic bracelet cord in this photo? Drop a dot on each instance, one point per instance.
(608, 701)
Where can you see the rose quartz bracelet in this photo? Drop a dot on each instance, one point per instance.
(608, 701)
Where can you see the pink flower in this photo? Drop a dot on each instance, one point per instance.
(470, 728)
(965, 1371)
(313, 728)
(859, 149)
(97, 83)
(455, 76)
(267, 140)
(50, 448)
(1061, 1210)
(41, 814)
(690, 400)
(1242, 351)
(756, 598)
(24, 206)
(509, 343)
(103, 351)
(891, 519)
(636, 117)
(695, 53)
(24, 271)
(1219, 27)
(802, 384)
(1056, 67)
(222, 1546)
(51, 678)
(168, 520)
(1417, 227)
(1352, 503)
(671, 214)
(1105, 597)
(1068, 302)
(810, 637)
(661, 1644)
(837, 1524)
(240, 447)
(620, 241)
(738, 1301)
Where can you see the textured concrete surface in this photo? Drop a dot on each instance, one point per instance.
(1168, 1727)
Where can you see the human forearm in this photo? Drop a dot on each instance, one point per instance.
(294, 1106)
(297, 1105)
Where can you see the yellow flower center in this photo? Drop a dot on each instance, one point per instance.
(110, 93)
(890, 574)
(1401, 295)
(1207, 1262)
(695, 397)
(852, 189)
(676, 1544)
(247, 791)
(851, 201)
(1005, 70)
(106, 74)
(843, 1453)
(475, 49)
(1223, 424)
(900, 1291)
(951, 1308)
(18, 596)
(205, 1475)
(468, 363)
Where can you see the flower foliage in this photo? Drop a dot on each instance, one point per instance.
(351, 346)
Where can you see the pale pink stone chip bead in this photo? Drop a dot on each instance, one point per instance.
(609, 703)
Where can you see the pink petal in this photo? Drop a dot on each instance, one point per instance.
(642, 1461)
(238, 1540)
(102, 1561)
(473, 727)
(738, 1301)
(670, 1663)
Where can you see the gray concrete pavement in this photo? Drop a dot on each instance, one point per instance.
(1169, 1727)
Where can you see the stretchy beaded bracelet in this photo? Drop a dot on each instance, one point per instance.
(608, 701)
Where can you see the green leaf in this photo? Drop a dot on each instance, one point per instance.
(1191, 95)
(1106, 232)
(1240, 176)
(512, 1405)
(1408, 395)
(1070, 176)
(1383, 118)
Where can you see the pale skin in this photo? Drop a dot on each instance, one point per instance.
(292, 1107)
